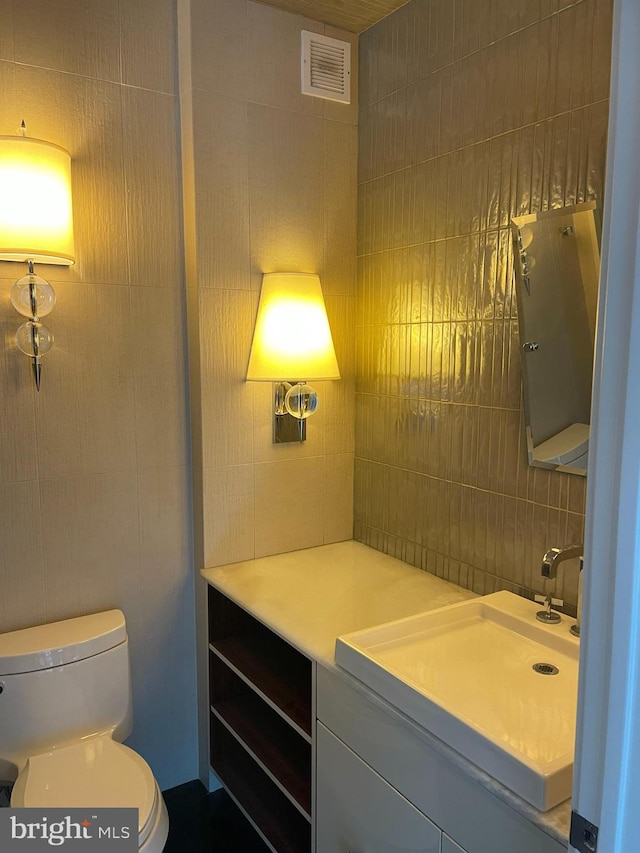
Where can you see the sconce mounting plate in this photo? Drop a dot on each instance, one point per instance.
(286, 428)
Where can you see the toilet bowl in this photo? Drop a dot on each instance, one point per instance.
(74, 679)
(96, 772)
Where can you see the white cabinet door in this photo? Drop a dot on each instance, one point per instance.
(358, 812)
(450, 846)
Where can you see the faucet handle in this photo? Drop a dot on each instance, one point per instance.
(548, 616)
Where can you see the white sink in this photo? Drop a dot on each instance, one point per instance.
(465, 673)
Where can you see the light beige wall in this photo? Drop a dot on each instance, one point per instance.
(470, 113)
(269, 179)
(94, 476)
(270, 185)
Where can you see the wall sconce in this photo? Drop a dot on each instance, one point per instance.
(36, 224)
(291, 346)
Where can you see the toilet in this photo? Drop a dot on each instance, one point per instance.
(65, 708)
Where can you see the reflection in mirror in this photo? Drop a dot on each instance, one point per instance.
(557, 264)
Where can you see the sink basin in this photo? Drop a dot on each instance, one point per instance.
(465, 673)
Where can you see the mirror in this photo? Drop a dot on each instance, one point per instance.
(557, 264)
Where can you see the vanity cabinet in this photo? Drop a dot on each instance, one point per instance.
(261, 715)
(358, 810)
(316, 760)
(399, 756)
(450, 846)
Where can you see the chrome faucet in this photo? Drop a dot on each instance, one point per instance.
(549, 569)
(555, 556)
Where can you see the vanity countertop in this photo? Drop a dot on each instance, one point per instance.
(310, 597)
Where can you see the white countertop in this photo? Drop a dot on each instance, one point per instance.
(310, 597)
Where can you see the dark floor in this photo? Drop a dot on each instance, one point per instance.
(207, 823)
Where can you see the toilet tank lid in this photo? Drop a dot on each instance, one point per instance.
(58, 643)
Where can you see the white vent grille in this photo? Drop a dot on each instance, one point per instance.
(326, 67)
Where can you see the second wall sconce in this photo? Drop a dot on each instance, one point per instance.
(292, 346)
(36, 224)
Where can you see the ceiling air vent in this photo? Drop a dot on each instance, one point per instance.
(326, 67)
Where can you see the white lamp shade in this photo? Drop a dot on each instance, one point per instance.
(292, 339)
(36, 220)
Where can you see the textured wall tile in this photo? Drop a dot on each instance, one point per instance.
(471, 130)
(170, 738)
(96, 564)
(229, 514)
(286, 176)
(289, 505)
(221, 191)
(368, 68)
(227, 398)
(602, 12)
(340, 209)
(338, 497)
(148, 44)
(153, 188)
(159, 371)
(6, 32)
(77, 36)
(18, 456)
(21, 569)
(90, 529)
(334, 110)
(85, 408)
(274, 59)
(165, 567)
(219, 38)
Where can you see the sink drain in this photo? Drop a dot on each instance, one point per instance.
(545, 668)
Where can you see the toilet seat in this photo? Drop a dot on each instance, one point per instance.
(95, 772)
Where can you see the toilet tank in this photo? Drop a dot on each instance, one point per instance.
(62, 682)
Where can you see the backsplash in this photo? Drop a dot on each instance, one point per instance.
(467, 118)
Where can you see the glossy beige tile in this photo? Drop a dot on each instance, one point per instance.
(221, 159)
(85, 407)
(230, 516)
(78, 37)
(289, 502)
(151, 169)
(467, 119)
(148, 44)
(226, 328)
(96, 564)
(159, 374)
(219, 46)
(286, 176)
(21, 567)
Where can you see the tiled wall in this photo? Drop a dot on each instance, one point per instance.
(470, 113)
(94, 478)
(270, 186)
